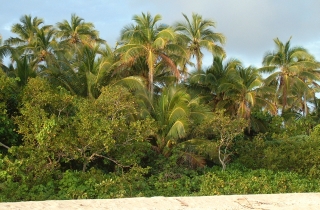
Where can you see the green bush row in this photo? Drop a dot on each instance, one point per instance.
(297, 153)
(95, 184)
(239, 180)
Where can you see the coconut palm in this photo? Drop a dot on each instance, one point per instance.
(285, 64)
(45, 46)
(4, 51)
(198, 34)
(302, 98)
(77, 32)
(26, 31)
(207, 83)
(162, 76)
(304, 91)
(83, 73)
(174, 112)
(245, 90)
(30, 48)
(82, 46)
(88, 67)
(22, 68)
(61, 73)
(152, 41)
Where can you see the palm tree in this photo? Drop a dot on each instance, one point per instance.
(198, 34)
(150, 41)
(245, 89)
(174, 110)
(45, 46)
(26, 31)
(302, 98)
(285, 65)
(77, 32)
(162, 76)
(90, 68)
(4, 51)
(85, 73)
(31, 49)
(82, 47)
(22, 68)
(207, 83)
(304, 91)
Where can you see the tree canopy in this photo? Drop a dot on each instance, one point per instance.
(82, 119)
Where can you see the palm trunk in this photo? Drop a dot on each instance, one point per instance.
(284, 96)
(89, 92)
(150, 82)
(150, 73)
(305, 112)
(199, 62)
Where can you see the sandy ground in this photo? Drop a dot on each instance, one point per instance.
(301, 201)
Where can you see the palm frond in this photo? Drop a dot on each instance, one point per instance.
(132, 83)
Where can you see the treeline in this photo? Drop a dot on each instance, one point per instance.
(80, 119)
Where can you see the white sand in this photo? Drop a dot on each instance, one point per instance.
(299, 201)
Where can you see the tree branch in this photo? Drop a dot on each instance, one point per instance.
(116, 162)
(5, 146)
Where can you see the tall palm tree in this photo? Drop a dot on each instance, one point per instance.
(285, 65)
(26, 49)
(198, 34)
(45, 46)
(44, 50)
(82, 47)
(152, 41)
(304, 91)
(26, 31)
(77, 32)
(4, 51)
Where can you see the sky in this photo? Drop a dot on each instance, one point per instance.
(249, 25)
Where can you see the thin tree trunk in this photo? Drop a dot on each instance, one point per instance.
(199, 62)
(222, 159)
(284, 95)
(150, 83)
(84, 166)
(150, 74)
(89, 85)
(305, 104)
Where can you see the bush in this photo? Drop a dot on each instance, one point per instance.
(298, 154)
(247, 181)
(18, 185)
(174, 183)
(94, 184)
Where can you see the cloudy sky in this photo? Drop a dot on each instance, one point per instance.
(249, 25)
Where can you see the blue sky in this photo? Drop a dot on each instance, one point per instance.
(249, 25)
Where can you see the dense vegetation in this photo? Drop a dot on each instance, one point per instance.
(80, 119)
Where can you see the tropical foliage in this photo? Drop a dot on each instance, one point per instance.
(82, 119)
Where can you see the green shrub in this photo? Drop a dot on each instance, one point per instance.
(247, 181)
(174, 183)
(19, 184)
(298, 154)
(95, 184)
